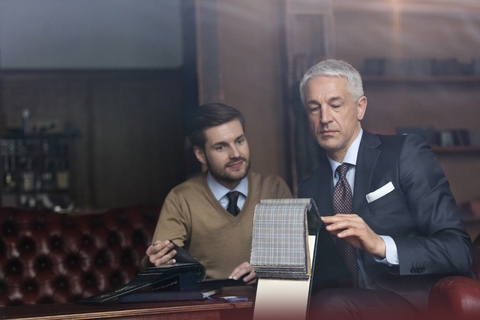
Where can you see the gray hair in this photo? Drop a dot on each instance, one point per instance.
(334, 68)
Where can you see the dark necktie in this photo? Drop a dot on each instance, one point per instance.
(232, 203)
(343, 203)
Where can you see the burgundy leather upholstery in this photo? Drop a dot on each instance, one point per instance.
(458, 297)
(54, 258)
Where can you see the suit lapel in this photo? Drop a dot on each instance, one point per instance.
(324, 195)
(368, 154)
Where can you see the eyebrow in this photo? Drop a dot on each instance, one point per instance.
(225, 143)
(332, 99)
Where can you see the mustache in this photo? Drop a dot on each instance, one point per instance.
(235, 160)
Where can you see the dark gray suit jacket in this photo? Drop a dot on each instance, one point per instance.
(420, 214)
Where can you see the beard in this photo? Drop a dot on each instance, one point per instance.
(221, 173)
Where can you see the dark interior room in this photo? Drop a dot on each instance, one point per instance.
(94, 97)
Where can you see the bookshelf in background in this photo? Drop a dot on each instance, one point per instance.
(36, 171)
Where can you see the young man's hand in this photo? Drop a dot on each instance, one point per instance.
(160, 253)
(246, 270)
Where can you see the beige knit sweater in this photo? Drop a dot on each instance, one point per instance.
(192, 218)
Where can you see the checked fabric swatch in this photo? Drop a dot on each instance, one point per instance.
(279, 240)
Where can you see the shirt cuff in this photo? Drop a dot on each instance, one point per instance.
(391, 253)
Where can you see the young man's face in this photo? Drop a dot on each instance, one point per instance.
(226, 154)
(333, 114)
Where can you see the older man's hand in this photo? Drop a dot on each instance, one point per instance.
(356, 232)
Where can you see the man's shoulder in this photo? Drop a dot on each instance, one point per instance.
(268, 186)
(395, 142)
(258, 178)
(194, 184)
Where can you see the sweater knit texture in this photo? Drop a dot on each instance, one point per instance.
(193, 219)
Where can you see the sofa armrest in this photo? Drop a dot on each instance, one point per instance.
(455, 297)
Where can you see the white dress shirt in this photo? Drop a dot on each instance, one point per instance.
(351, 158)
(220, 192)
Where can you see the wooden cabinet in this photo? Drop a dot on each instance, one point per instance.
(36, 170)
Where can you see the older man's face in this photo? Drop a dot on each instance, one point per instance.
(333, 115)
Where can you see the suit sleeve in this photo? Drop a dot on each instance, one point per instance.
(440, 244)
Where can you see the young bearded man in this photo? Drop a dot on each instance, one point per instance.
(211, 215)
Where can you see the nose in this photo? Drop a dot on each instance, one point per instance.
(326, 115)
(235, 153)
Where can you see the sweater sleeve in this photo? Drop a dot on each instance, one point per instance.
(174, 221)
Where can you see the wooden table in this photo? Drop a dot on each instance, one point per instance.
(171, 310)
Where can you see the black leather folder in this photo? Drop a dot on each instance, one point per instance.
(184, 280)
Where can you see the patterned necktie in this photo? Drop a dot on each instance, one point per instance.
(232, 203)
(343, 203)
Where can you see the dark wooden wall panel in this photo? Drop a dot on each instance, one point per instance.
(130, 145)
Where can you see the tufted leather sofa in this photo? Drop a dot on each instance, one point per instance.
(458, 297)
(47, 257)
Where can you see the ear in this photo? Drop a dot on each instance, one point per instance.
(361, 107)
(200, 154)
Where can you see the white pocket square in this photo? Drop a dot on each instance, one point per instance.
(377, 194)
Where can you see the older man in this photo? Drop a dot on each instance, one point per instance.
(391, 225)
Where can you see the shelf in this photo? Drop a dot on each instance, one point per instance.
(432, 79)
(456, 149)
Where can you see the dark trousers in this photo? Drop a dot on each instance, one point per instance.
(360, 304)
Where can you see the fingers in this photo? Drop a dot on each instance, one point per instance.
(344, 225)
(161, 253)
(355, 231)
(246, 270)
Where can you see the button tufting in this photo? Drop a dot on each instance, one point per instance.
(56, 258)
(139, 237)
(102, 258)
(61, 282)
(14, 266)
(73, 261)
(9, 228)
(116, 279)
(56, 241)
(127, 257)
(43, 262)
(27, 245)
(90, 279)
(87, 239)
(38, 225)
(113, 238)
(30, 285)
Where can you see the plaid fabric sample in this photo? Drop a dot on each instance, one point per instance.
(279, 244)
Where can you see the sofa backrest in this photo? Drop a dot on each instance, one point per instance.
(48, 257)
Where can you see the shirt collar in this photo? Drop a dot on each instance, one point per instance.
(351, 155)
(220, 191)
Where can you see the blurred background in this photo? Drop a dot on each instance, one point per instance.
(94, 93)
